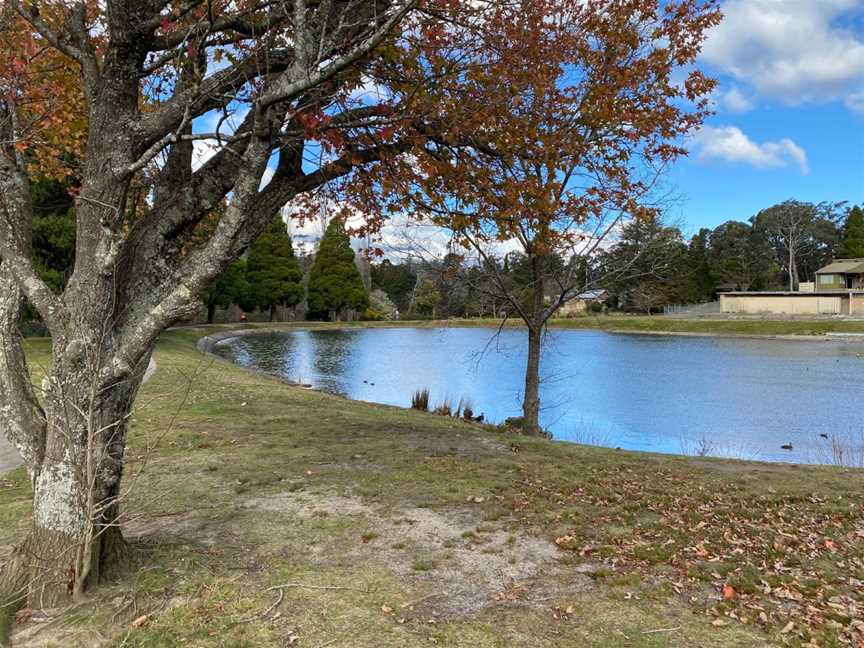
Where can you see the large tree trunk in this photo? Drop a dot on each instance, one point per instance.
(211, 313)
(139, 271)
(75, 538)
(531, 402)
(97, 367)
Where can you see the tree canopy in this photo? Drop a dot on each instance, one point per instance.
(229, 288)
(397, 280)
(643, 267)
(741, 257)
(803, 236)
(53, 231)
(852, 237)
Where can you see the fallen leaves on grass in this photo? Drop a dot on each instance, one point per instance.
(140, 621)
(792, 563)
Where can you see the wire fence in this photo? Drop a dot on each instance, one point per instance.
(706, 308)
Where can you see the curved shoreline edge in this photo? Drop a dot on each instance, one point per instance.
(206, 344)
(9, 458)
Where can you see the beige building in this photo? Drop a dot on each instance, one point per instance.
(850, 302)
(580, 303)
(838, 290)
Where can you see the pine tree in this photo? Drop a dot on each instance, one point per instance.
(397, 280)
(53, 231)
(852, 243)
(697, 283)
(335, 284)
(272, 270)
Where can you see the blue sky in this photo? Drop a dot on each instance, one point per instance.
(789, 119)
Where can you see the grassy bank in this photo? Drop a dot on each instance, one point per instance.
(713, 326)
(268, 515)
(626, 324)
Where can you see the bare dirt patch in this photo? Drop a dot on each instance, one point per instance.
(187, 523)
(464, 564)
(475, 447)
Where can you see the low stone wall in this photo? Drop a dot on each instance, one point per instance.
(798, 304)
(206, 343)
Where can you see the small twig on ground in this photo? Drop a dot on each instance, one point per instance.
(661, 630)
(317, 587)
(127, 603)
(421, 599)
(326, 643)
(265, 612)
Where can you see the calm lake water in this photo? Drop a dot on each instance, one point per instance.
(744, 398)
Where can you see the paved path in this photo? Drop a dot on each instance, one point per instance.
(9, 457)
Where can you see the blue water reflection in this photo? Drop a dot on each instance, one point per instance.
(740, 397)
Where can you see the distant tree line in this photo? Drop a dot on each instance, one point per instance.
(455, 287)
(650, 264)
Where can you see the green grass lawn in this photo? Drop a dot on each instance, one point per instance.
(630, 324)
(713, 326)
(391, 527)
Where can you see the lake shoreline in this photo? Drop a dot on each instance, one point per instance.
(829, 337)
(591, 422)
(603, 326)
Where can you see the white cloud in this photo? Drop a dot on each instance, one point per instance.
(793, 50)
(203, 150)
(370, 92)
(733, 100)
(855, 102)
(400, 237)
(731, 144)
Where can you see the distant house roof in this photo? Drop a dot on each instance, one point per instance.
(843, 266)
(599, 293)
